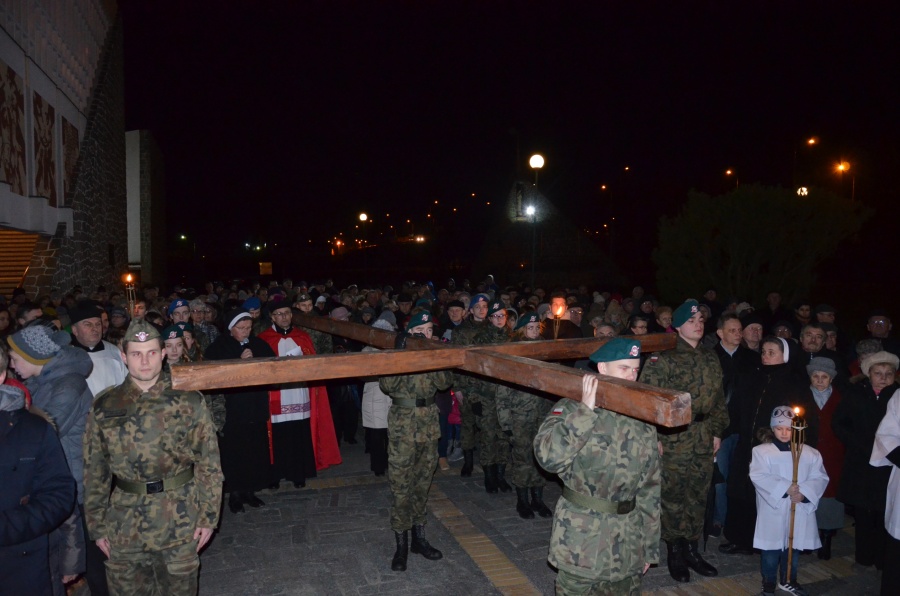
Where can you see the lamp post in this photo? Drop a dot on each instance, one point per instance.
(363, 218)
(730, 172)
(842, 167)
(536, 162)
(531, 211)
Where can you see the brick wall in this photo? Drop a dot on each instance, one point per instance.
(97, 251)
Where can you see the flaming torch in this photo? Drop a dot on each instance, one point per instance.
(129, 294)
(557, 318)
(798, 434)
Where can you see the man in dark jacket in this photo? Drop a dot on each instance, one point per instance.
(37, 492)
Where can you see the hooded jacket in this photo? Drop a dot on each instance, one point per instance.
(62, 391)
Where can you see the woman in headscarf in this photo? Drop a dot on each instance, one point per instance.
(773, 384)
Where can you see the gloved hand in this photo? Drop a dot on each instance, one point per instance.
(477, 409)
(400, 341)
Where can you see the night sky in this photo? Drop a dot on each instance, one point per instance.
(283, 121)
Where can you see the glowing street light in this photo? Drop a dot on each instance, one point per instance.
(842, 167)
(730, 172)
(536, 162)
(531, 212)
(802, 191)
(363, 217)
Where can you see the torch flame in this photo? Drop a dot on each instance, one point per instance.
(797, 411)
(559, 311)
(128, 278)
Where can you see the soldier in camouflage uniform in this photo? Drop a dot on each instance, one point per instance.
(520, 414)
(153, 481)
(493, 444)
(468, 385)
(322, 341)
(688, 451)
(413, 433)
(606, 525)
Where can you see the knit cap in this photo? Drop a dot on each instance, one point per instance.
(782, 416)
(38, 344)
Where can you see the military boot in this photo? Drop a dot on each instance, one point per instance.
(537, 502)
(675, 560)
(469, 457)
(420, 545)
(522, 506)
(693, 559)
(398, 563)
(490, 478)
(502, 484)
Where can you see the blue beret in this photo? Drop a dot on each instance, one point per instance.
(684, 312)
(177, 304)
(618, 348)
(252, 303)
(479, 298)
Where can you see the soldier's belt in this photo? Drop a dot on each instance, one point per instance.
(157, 486)
(414, 403)
(601, 505)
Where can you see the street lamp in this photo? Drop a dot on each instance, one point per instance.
(842, 167)
(536, 162)
(730, 172)
(531, 212)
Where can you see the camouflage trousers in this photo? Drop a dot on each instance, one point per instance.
(493, 444)
(172, 571)
(470, 430)
(525, 420)
(686, 473)
(411, 464)
(569, 584)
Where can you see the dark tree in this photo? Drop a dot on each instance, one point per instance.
(752, 240)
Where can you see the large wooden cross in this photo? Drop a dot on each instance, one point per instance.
(518, 363)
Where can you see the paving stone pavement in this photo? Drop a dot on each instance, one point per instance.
(334, 537)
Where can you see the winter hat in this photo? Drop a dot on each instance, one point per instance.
(876, 358)
(321, 300)
(389, 316)
(782, 416)
(38, 344)
(340, 314)
(542, 308)
(84, 309)
(457, 304)
(684, 312)
(384, 325)
(821, 364)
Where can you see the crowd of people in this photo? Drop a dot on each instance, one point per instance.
(126, 451)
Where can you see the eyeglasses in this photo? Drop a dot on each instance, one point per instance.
(199, 310)
(783, 413)
(498, 316)
(576, 311)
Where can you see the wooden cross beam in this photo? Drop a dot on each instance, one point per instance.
(519, 363)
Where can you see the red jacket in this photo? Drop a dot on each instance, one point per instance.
(829, 445)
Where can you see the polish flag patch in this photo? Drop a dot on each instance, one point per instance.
(557, 411)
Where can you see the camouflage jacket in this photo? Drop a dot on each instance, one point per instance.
(697, 371)
(418, 425)
(471, 334)
(609, 456)
(147, 436)
(515, 403)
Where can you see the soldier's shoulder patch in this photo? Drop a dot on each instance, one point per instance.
(653, 359)
(557, 411)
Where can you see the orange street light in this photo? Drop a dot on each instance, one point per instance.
(812, 140)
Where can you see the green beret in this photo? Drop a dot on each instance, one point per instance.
(140, 331)
(618, 348)
(172, 332)
(685, 312)
(189, 327)
(495, 307)
(526, 318)
(419, 318)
